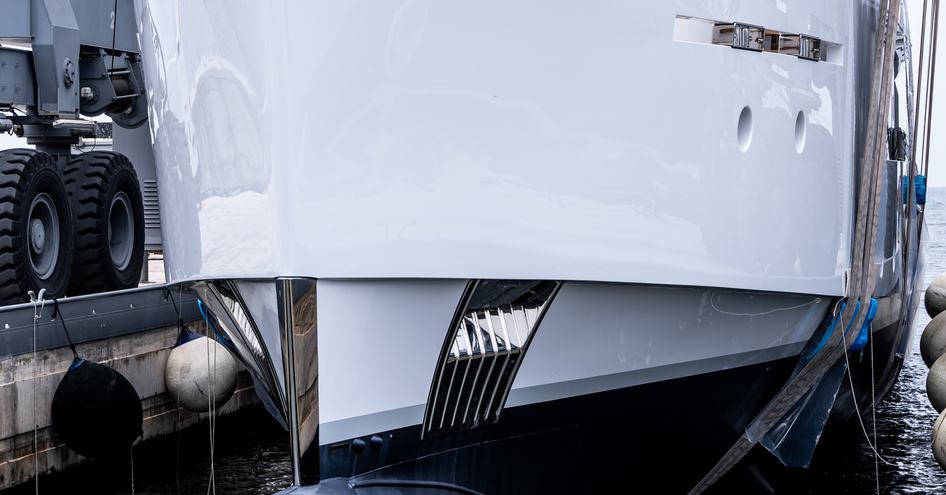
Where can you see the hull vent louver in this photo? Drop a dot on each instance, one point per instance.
(484, 347)
(150, 200)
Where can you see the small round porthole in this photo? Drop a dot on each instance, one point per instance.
(801, 131)
(744, 129)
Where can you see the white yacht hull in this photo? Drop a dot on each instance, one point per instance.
(487, 140)
(673, 219)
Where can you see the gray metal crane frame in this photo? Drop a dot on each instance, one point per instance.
(64, 59)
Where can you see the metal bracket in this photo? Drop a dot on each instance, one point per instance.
(801, 46)
(739, 35)
(758, 39)
(809, 47)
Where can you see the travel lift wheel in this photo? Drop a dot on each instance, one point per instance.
(35, 226)
(109, 222)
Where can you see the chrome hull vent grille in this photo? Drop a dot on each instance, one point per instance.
(483, 350)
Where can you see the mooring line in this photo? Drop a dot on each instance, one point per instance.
(873, 414)
(177, 449)
(62, 321)
(861, 282)
(857, 409)
(211, 407)
(131, 450)
(36, 315)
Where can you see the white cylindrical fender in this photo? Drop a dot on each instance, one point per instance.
(936, 384)
(933, 340)
(196, 366)
(936, 296)
(939, 440)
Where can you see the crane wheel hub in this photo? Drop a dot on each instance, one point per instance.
(43, 235)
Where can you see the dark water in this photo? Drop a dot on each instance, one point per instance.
(251, 456)
(904, 420)
(251, 451)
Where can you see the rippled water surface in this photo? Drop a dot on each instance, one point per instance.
(905, 419)
(251, 453)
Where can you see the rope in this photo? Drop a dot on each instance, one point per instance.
(857, 410)
(177, 309)
(873, 413)
(918, 140)
(180, 297)
(36, 316)
(919, 89)
(914, 146)
(905, 56)
(867, 253)
(912, 117)
(927, 72)
(62, 321)
(211, 397)
(211, 407)
(177, 451)
(861, 281)
(177, 447)
(131, 450)
(934, 34)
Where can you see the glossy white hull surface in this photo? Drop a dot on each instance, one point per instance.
(374, 199)
(543, 140)
(376, 372)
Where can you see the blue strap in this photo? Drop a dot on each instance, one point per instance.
(860, 341)
(919, 182)
(828, 332)
(203, 312)
(919, 188)
(218, 335)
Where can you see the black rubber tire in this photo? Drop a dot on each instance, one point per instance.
(93, 180)
(25, 174)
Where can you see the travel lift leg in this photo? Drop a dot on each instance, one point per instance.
(80, 229)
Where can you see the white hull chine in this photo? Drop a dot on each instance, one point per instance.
(602, 383)
(353, 427)
(379, 342)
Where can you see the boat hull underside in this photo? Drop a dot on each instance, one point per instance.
(376, 366)
(630, 437)
(625, 379)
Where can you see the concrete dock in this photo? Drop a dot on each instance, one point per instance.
(132, 332)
